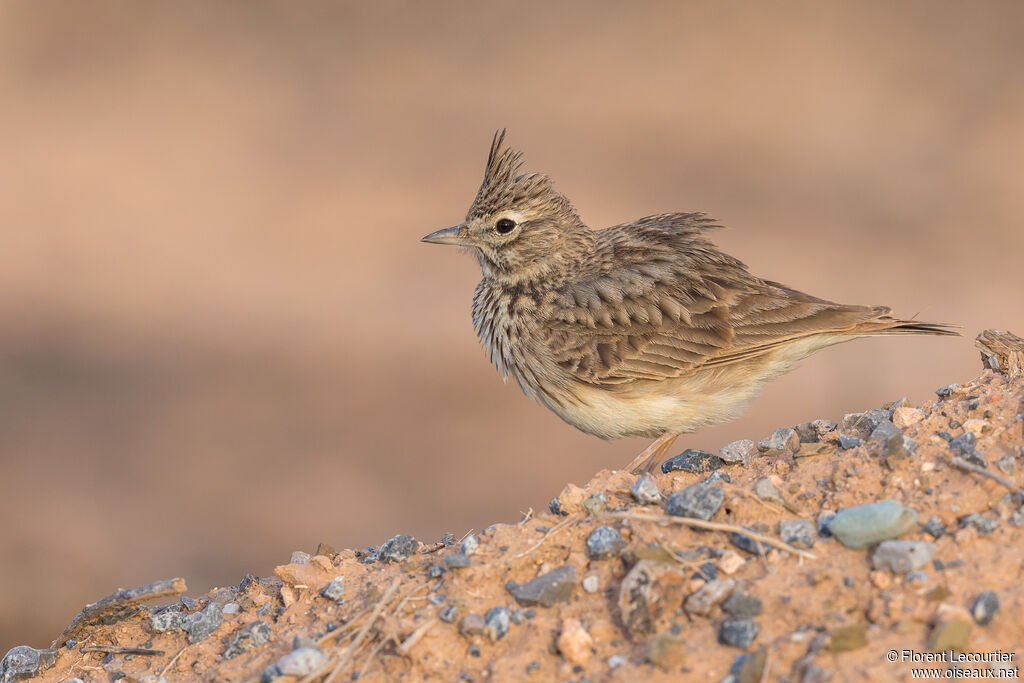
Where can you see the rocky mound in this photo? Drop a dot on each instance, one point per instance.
(841, 550)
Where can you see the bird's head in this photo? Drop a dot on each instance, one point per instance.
(519, 226)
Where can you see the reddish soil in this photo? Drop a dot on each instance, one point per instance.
(829, 613)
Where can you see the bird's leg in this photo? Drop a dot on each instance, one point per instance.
(652, 455)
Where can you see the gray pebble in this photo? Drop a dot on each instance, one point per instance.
(435, 571)
(334, 590)
(22, 661)
(766, 490)
(1017, 518)
(934, 527)
(918, 576)
(596, 504)
(1007, 465)
(947, 391)
(449, 614)
(547, 589)
(738, 632)
(604, 541)
(398, 548)
(694, 461)
(983, 524)
(901, 557)
(270, 674)
(700, 501)
(457, 561)
(718, 476)
(247, 638)
(469, 545)
(645, 490)
(590, 584)
(847, 441)
(707, 596)
(743, 605)
(201, 624)
(862, 424)
(302, 662)
(966, 446)
(813, 432)
(748, 544)
(738, 451)
(865, 525)
(895, 443)
(615, 661)
(824, 518)
(231, 608)
(497, 623)
(167, 619)
(784, 441)
(797, 532)
(517, 616)
(985, 607)
(299, 557)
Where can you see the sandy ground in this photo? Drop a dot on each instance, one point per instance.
(825, 611)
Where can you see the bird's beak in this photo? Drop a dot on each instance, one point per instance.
(445, 236)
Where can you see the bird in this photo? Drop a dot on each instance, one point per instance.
(640, 329)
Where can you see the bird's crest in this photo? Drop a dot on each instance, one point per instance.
(502, 183)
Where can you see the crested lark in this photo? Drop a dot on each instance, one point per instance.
(641, 329)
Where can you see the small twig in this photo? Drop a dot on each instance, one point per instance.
(415, 636)
(373, 653)
(464, 535)
(115, 650)
(171, 663)
(959, 462)
(715, 526)
(343, 660)
(408, 595)
(344, 630)
(120, 600)
(527, 516)
(550, 532)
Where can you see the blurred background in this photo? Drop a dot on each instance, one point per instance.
(221, 340)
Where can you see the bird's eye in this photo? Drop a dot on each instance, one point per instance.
(505, 226)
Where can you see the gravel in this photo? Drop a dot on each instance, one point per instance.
(693, 461)
(645, 490)
(815, 431)
(398, 548)
(699, 501)
(547, 589)
(934, 527)
(741, 451)
(708, 596)
(902, 556)
(469, 545)
(334, 590)
(984, 525)
(167, 619)
(448, 614)
(302, 661)
(496, 622)
(985, 607)
(201, 624)
(797, 532)
(865, 525)
(457, 561)
(738, 632)
(847, 441)
(603, 542)
(743, 605)
(23, 661)
(247, 638)
(784, 441)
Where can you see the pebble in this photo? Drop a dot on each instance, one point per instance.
(966, 444)
(797, 532)
(718, 476)
(862, 424)
(23, 661)
(748, 544)
(743, 605)
(448, 614)
(615, 661)
(247, 638)
(738, 451)
(934, 527)
(201, 624)
(469, 545)
(603, 542)
(901, 557)
(647, 591)
(596, 504)
(864, 525)
(547, 589)
(667, 650)
(985, 607)
(334, 590)
(897, 445)
(738, 632)
(693, 461)
(299, 557)
(700, 501)
(813, 432)
(496, 622)
(947, 391)
(167, 619)
(457, 561)
(645, 490)
(904, 417)
(824, 517)
(472, 625)
(302, 662)
(784, 441)
(436, 571)
(590, 584)
(983, 524)
(708, 596)
(231, 608)
(766, 490)
(730, 562)
(575, 644)
(847, 442)
(398, 548)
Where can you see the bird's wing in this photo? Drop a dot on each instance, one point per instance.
(661, 301)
